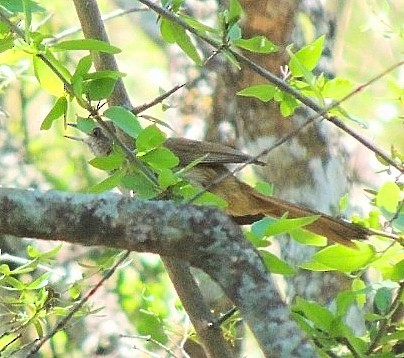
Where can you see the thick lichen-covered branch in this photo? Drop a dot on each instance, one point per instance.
(203, 236)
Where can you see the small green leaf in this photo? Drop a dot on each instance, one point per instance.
(275, 265)
(388, 196)
(149, 138)
(315, 266)
(47, 78)
(160, 158)
(109, 183)
(87, 44)
(14, 6)
(167, 178)
(99, 89)
(58, 110)
(172, 32)
(142, 186)
(104, 74)
(189, 192)
(263, 92)
(308, 57)
(319, 315)
(308, 238)
(110, 162)
(359, 286)
(235, 11)
(124, 119)
(288, 104)
(40, 282)
(284, 225)
(337, 88)
(83, 66)
(74, 291)
(382, 300)
(397, 273)
(346, 259)
(257, 44)
(264, 188)
(85, 124)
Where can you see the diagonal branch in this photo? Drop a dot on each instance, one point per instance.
(203, 236)
(284, 86)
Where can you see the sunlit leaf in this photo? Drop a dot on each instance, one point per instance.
(263, 92)
(307, 57)
(87, 44)
(388, 196)
(257, 44)
(275, 265)
(149, 138)
(58, 110)
(124, 119)
(47, 78)
(346, 259)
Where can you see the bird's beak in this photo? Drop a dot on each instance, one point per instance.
(74, 138)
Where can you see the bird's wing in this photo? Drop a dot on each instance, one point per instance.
(189, 150)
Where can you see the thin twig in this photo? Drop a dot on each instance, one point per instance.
(62, 323)
(157, 100)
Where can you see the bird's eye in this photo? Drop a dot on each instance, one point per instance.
(97, 132)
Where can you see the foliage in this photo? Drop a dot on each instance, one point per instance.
(150, 171)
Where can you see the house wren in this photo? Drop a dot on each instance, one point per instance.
(245, 204)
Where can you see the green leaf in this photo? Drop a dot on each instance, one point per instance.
(58, 110)
(235, 11)
(47, 78)
(99, 89)
(87, 44)
(46, 256)
(149, 138)
(167, 178)
(308, 238)
(382, 300)
(104, 74)
(257, 44)
(40, 282)
(83, 66)
(110, 162)
(188, 192)
(263, 92)
(346, 259)
(264, 188)
(307, 57)
(160, 158)
(288, 104)
(141, 185)
(337, 88)
(124, 119)
(85, 124)
(314, 312)
(388, 196)
(397, 273)
(14, 6)
(284, 225)
(109, 183)
(172, 32)
(275, 264)
(359, 286)
(315, 266)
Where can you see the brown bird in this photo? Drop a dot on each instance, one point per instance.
(245, 204)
